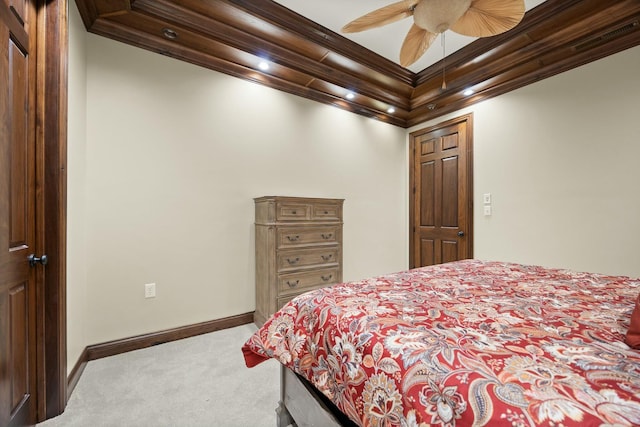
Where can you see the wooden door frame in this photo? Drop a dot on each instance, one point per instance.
(51, 204)
(413, 137)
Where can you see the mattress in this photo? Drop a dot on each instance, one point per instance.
(468, 343)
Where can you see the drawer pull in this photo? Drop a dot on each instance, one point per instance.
(294, 212)
(293, 284)
(293, 261)
(326, 212)
(327, 278)
(326, 257)
(293, 238)
(327, 236)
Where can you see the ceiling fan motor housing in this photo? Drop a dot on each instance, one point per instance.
(438, 16)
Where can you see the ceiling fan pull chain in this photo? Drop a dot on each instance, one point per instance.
(444, 56)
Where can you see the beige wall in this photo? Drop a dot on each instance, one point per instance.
(175, 155)
(164, 166)
(76, 190)
(560, 158)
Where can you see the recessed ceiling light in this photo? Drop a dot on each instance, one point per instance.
(263, 65)
(391, 110)
(350, 95)
(468, 92)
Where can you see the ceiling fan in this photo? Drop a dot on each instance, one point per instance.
(475, 18)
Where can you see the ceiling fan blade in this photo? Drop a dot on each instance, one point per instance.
(415, 45)
(383, 16)
(487, 18)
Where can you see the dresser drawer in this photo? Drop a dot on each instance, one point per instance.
(326, 212)
(291, 236)
(295, 283)
(288, 211)
(300, 258)
(282, 301)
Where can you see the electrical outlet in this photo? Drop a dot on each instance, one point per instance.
(487, 211)
(150, 290)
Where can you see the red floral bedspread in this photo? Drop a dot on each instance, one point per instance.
(468, 343)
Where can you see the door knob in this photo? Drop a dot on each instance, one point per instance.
(33, 260)
(460, 233)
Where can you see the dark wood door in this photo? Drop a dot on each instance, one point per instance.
(17, 214)
(441, 211)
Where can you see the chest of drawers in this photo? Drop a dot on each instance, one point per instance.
(298, 248)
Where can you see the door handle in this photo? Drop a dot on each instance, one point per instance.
(33, 260)
(460, 233)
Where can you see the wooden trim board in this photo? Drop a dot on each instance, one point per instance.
(76, 372)
(112, 348)
(311, 61)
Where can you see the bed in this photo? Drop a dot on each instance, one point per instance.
(468, 343)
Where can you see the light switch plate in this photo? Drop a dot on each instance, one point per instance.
(487, 211)
(486, 198)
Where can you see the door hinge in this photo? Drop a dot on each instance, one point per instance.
(414, 190)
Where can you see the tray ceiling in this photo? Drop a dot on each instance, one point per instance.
(308, 59)
(385, 41)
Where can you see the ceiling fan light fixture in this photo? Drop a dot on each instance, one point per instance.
(350, 96)
(473, 18)
(437, 16)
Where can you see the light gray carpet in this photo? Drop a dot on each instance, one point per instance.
(199, 381)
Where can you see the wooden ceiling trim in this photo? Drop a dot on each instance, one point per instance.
(463, 75)
(233, 27)
(308, 60)
(361, 100)
(553, 63)
(487, 60)
(454, 101)
(189, 42)
(338, 61)
(196, 57)
(112, 7)
(543, 22)
(299, 42)
(516, 63)
(135, 26)
(295, 23)
(269, 35)
(219, 62)
(496, 66)
(493, 46)
(226, 60)
(364, 105)
(260, 46)
(88, 12)
(186, 39)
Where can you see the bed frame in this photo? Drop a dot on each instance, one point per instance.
(302, 405)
